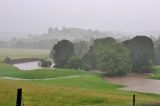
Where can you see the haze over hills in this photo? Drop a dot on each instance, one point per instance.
(73, 34)
(49, 39)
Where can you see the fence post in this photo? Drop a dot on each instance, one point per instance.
(19, 97)
(134, 100)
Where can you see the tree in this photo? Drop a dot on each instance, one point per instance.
(90, 59)
(81, 48)
(141, 52)
(46, 63)
(50, 30)
(7, 60)
(109, 56)
(157, 50)
(63, 50)
(74, 62)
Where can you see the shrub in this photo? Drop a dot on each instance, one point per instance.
(46, 63)
(7, 60)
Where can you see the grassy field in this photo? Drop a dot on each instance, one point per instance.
(23, 53)
(10, 71)
(87, 90)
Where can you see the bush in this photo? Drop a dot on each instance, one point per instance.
(74, 62)
(46, 63)
(7, 60)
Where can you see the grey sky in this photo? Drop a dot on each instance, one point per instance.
(117, 15)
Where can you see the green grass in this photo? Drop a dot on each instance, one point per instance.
(10, 71)
(23, 53)
(156, 73)
(87, 90)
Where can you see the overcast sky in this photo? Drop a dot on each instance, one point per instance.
(117, 15)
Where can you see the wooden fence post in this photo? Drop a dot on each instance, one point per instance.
(134, 98)
(19, 97)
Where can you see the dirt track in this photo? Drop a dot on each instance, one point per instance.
(138, 83)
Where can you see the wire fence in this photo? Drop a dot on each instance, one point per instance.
(20, 102)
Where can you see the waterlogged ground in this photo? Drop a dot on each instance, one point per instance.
(135, 82)
(28, 65)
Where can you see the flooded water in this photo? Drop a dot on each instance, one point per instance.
(138, 83)
(28, 65)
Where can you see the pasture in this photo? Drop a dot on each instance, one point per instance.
(89, 89)
(23, 53)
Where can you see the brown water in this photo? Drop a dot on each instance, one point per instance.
(135, 82)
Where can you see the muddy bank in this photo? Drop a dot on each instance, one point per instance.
(136, 82)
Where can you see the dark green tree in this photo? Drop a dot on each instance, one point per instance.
(109, 56)
(141, 52)
(63, 50)
(89, 59)
(74, 62)
(7, 60)
(46, 63)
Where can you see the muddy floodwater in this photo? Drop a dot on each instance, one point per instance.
(135, 82)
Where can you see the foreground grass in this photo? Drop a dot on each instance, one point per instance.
(53, 95)
(87, 90)
(23, 53)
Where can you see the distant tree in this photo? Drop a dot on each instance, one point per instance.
(56, 29)
(63, 50)
(50, 30)
(63, 28)
(81, 48)
(142, 53)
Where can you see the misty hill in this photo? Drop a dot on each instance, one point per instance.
(47, 40)
(149, 33)
(6, 36)
(70, 34)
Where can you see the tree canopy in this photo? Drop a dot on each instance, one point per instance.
(141, 52)
(108, 55)
(63, 50)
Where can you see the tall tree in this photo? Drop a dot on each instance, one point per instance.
(63, 50)
(109, 56)
(142, 53)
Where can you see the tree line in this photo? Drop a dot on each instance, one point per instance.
(106, 54)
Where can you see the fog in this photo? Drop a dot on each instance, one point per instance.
(36, 16)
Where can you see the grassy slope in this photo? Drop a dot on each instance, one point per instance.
(88, 89)
(23, 53)
(10, 71)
